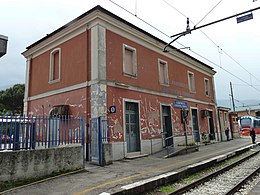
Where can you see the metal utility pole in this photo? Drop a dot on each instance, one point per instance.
(232, 97)
(189, 30)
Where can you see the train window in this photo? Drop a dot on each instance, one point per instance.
(245, 122)
(256, 124)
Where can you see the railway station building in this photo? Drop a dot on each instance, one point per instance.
(112, 72)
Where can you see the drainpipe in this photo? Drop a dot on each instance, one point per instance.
(26, 92)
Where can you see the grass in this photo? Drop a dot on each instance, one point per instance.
(187, 180)
(167, 189)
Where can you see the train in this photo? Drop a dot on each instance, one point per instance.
(247, 123)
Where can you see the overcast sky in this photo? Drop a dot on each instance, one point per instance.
(232, 49)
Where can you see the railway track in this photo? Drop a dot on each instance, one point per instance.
(227, 180)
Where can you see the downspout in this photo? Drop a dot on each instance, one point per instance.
(87, 104)
(27, 81)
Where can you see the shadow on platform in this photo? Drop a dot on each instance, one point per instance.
(174, 151)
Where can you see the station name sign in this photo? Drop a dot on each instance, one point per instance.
(180, 104)
(245, 18)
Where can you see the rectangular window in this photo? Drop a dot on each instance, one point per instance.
(207, 87)
(55, 63)
(163, 72)
(129, 61)
(226, 119)
(191, 81)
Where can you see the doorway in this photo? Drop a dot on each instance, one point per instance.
(211, 126)
(167, 126)
(195, 125)
(132, 127)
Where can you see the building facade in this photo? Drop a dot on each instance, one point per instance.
(100, 65)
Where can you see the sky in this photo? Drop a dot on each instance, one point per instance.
(231, 48)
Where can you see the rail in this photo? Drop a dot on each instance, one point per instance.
(202, 180)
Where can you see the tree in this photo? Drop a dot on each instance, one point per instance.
(11, 100)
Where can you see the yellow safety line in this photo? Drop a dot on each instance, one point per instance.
(127, 178)
(133, 176)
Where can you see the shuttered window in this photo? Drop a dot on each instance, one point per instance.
(163, 72)
(207, 87)
(55, 65)
(191, 81)
(129, 61)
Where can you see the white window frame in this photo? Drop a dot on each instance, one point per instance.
(134, 62)
(226, 120)
(52, 54)
(166, 75)
(207, 87)
(125, 100)
(189, 82)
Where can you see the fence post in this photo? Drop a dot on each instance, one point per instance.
(151, 142)
(83, 139)
(100, 145)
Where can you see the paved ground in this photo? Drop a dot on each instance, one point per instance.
(95, 179)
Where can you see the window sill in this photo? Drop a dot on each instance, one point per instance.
(130, 75)
(165, 84)
(54, 81)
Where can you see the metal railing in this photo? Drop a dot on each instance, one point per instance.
(32, 132)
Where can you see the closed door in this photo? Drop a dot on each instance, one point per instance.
(211, 126)
(167, 125)
(132, 127)
(195, 125)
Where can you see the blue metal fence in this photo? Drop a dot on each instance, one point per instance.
(99, 134)
(32, 132)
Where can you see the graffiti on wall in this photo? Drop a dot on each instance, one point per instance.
(116, 121)
(98, 100)
(150, 119)
(76, 102)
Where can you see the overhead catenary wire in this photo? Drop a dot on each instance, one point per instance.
(214, 22)
(135, 15)
(243, 85)
(226, 70)
(240, 65)
(209, 12)
(209, 37)
(219, 49)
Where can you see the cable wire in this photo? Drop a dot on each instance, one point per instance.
(240, 65)
(212, 40)
(209, 12)
(135, 15)
(226, 70)
(185, 46)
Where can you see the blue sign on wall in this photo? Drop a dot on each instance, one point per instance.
(179, 104)
(112, 109)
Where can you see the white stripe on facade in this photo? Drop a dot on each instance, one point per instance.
(114, 84)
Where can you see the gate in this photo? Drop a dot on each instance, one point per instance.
(99, 134)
